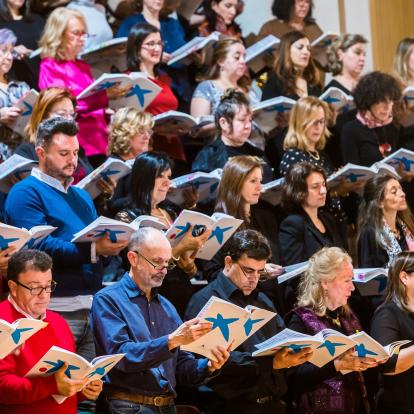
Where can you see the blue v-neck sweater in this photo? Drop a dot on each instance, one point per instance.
(32, 202)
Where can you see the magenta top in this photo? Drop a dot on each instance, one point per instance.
(76, 75)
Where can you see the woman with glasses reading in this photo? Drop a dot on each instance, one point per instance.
(393, 321)
(62, 40)
(150, 182)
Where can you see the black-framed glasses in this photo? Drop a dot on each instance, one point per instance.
(157, 266)
(37, 291)
(249, 273)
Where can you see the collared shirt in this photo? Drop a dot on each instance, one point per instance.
(20, 310)
(49, 180)
(243, 377)
(124, 321)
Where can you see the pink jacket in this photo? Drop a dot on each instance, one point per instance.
(76, 75)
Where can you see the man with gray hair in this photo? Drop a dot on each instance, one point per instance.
(130, 317)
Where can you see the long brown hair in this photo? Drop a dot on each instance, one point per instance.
(284, 68)
(235, 172)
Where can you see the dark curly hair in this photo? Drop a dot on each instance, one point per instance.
(376, 87)
(212, 17)
(249, 242)
(283, 10)
(295, 188)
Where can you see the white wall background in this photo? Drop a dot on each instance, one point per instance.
(326, 13)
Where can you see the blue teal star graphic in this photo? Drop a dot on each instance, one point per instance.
(222, 324)
(382, 283)
(139, 93)
(363, 352)
(353, 178)
(4, 243)
(17, 334)
(297, 347)
(248, 325)
(330, 346)
(405, 162)
(218, 233)
(29, 109)
(183, 229)
(111, 233)
(59, 364)
(105, 174)
(100, 371)
(105, 85)
(331, 100)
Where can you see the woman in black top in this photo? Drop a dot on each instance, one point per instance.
(294, 74)
(394, 321)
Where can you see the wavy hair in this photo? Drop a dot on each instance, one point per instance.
(404, 50)
(283, 10)
(51, 41)
(235, 172)
(322, 268)
(301, 119)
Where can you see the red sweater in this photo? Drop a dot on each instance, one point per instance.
(19, 395)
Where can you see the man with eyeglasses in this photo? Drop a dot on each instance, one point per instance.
(247, 385)
(29, 277)
(131, 317)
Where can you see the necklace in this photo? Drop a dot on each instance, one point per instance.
(314, 155)
(162, 215)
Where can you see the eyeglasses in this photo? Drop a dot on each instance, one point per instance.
(251, 273)
(153, 45)
(318, 122)
(157, 266)
(5, 51)
(80, 34)
(148, 132)
(37, 291)
(64, 114)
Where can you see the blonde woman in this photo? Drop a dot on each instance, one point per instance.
(404, 61)
(62, 40)
(323, 303)
(130, 133)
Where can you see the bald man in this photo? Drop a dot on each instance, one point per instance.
(131, 317)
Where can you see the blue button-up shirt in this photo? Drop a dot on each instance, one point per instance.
(124, 321)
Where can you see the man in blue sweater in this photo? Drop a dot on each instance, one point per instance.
(46, 197)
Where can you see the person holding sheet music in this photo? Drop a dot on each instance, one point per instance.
(247, 385)
(27, 26)
(46, 197)
(294, 73)
(30, 282)
(150, 182)
(62, 40)
(145, 48)
(10, 92)
(233, 121)
(324, 292)
(393, 321)
(385, 222)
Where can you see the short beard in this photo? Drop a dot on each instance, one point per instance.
(50, 170)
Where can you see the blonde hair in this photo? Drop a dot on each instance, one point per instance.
(300, 121)
(126, 123)
(51, 41)
(404, 50)
(322, 268)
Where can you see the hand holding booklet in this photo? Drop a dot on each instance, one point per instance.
(25, 104)
(78, 367)
(14, 169)
(15, 334)
(231, 326)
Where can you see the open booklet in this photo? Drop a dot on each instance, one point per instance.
(180, 123)
(408, 96)
(272, 191)
(78, 367)
(338, 99)
(320, 45)
(272, 113)
(112, 168)
(223, 226)
(402, 157)
(370, 281)
(292, 271)
(115, 229)
(232, 325)
(141, 93)
(353, 173)
(13, 170)
(206, 185)
(197, 43)
(255, 54)
(326, 344)
(106, 57)
(14, 236)
(16, 333)
(25, 104)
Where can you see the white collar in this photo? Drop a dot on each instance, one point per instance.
(20, 310)
(53, 182)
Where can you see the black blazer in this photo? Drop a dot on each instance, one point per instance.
(299, 239)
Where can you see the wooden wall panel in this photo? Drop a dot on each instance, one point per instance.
(391, 21)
